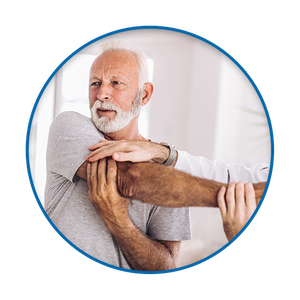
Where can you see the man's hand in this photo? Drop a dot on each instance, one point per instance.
(134, 151)
(237, 208)
(141, 252)
(103, 193)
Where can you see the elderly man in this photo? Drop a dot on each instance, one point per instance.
(106, 225)
(118, 231)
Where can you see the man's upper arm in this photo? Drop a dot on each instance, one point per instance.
(69, 138)
(81, 172)
(170, 224)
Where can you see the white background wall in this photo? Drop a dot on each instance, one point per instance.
(201, 104)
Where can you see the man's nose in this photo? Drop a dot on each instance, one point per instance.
(104, 92)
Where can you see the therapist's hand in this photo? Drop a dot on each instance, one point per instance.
(134, 151)
(237, 206)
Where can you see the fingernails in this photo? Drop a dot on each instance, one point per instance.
(116, 156)
(222, 189)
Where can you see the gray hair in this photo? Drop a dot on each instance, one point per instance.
(139, 54)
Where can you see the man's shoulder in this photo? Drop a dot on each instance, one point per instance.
(69, 137)
(71, 116)
(72, 123)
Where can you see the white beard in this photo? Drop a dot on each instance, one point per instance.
(122, 118)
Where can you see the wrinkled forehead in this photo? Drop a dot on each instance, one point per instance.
(117, 61)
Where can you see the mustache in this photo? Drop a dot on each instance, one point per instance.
(106, 105)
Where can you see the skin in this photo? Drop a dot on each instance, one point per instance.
(144, 181)
(150, 183)
(114, 78)
(141, 179)
(237, 206)
(113, 208)
(108, 82)
(133, 151)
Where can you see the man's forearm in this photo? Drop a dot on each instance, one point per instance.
(151, 183)
(143, 253)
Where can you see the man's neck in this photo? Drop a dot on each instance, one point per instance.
(116, 136)
(129, 132)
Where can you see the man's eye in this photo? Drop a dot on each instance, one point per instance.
(117, 82)
(95, 83)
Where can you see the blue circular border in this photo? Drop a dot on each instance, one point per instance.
(201, 36)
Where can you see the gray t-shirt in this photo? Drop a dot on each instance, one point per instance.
(68, 205)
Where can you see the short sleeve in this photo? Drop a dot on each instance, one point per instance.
(170, 224)
(70, 136)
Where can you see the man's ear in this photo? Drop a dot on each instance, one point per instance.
(147, 93)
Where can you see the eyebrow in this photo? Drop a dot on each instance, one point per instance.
(94, 77)
(122, 77)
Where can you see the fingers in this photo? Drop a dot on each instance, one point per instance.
(236, 206)
(234, 199)
(250, 196)
(97, 154)
(104, 149)
(101, 171)
(221, 201)
(240, 196)
(98, 145)
(111, 174)
(88, 176)
(96, 172)
(121, 156)
(102, 174)
(134, 151)
(240, 199)
(230, 198)
(240, 190)
(91, 173)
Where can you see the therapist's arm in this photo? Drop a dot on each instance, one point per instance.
(151, 183)
(134, 151)
(144, 151)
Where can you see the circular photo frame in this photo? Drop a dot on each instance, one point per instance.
(28, 132)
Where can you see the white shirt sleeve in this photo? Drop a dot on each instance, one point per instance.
(201, 167)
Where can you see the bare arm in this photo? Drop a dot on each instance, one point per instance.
(141, 180)
(145, 254)
(134, 151)
(140, 251)
(81, 172)
(150, 183)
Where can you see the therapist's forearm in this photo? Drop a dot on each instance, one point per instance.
(165, 186)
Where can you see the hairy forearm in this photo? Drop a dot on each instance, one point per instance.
(143, 253)
(151, 183)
